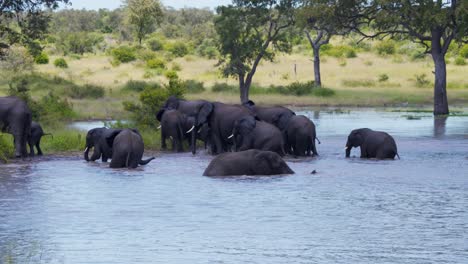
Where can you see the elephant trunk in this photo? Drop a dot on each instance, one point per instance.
(348, 151)
(86, 152)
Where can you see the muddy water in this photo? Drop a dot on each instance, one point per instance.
(413, 210)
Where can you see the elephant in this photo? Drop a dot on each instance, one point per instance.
(221, 123)
(199, 110)
(249, 133)
(269, 114)
(35, 138)
(248, 162)
(299, 132)
(127, 148)
(175, 125)
(96, 138)
(374, 144)
(16, 118)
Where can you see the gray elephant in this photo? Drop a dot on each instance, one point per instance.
(199, 110)
(374, 144)
(127, 149)
(249, 162)
(16, 118)
(34, 139)
(96, 139)
(176, 126)
(249, 133)
(271, 113)
(299, 132)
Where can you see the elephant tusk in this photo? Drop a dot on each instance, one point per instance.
(199, 130)
(86, 149)
(191, 129)
(230, 136)
(159, 127)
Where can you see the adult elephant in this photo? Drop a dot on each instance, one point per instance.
(373, 144)
(249, 162)
(127, 149)
(270, 113)
(96, 139)
(16, 118)
(199, 110)
(299, 132)
(174, 125)
(221, 123)
(249, 133)
(34, 139)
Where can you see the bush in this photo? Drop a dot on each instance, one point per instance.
(323, 92)
(460, 61)
(146, 55)
(297, 88)
(85, 91)
(139, 86)
(61, 63)
(342, 51)
(54, 109)
(178, 49)
(156, 64)
(171, 74)
(176, 67)
(155, 44)
(421, 80)
(464, 51)
(193, 86)
(6, 148)
(383, 77)
(124, 54)
(42, 58)
(386, 47)
(223, 87)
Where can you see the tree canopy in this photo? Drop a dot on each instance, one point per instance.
(144, 15)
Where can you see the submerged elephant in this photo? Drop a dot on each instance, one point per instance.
(127, 149)
(299, 133)
(374, 144)
(249, 133)
(16, 118)
(176, 126)
(96, 138)
(34, 139)
(249, 162)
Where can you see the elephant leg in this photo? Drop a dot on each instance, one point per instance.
(218, 145)
(31, 149)
(314, 149)
(163, 140)
(39, 150)
(180, 145)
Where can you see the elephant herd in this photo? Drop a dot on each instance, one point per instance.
(247, 139)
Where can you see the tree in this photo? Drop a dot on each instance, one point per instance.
(24, 21)
(317, 19)
(435, 24)
(246, 31)
(144, 15)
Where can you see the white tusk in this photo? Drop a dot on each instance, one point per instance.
(86, 149)
(159, 127)
(199, 130)
(230, 136)
(346, 147)
(190, 130)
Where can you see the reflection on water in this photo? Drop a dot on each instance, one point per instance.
(439, 126)
(412, 210)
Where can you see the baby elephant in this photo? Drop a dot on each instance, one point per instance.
(249, 162)
(299, 133)
(374, 144)
(127, 149)
(176, 126)
(35, 138)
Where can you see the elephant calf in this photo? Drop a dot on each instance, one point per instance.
(374, 144)
(35, 138)
(127, 149)
(249, 162)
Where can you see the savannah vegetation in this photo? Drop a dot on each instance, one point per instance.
(122, 64)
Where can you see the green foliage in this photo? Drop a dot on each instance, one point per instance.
(54, 109)
(359, 83)
(78, 42)
(146, 55)
(156, 64)
(143, 15)
(386, 47)
(155, 44)
(176, 67)
(383, 77)
(460, 61)
(171, 74)
(464, 51)
(340, 51)
(61, 63)
(178, 49)
(86, 91)
(42, 58)
(192, 86)
(223, 87)
(421, 80)
(208, 49)
(139, 86)
(64, 140)
(323, 92)
(6, 147)
(124, 54)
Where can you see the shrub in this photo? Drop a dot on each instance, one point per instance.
(342, 51)
(85, 91)
(297, 88)
(61, 63)
(223, 87)
(193, 86)
(460, 61)
(146, 55)
(323, 92)
(383, 77)
(421, 80)
(139, 86)
(176, 67)
(124, 54)
(417, 55)
(42, 58)
(386, 47)
(171, 74)
(6, 148)
(178, 49)
(54, 109)
(464, 51)
(155, 44)
(156, 64)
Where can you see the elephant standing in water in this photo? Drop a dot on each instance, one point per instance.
(249, 133)
(249, 162)
(299, 132)
(176, 126)
(374, 144)
(16, 118)
(127, 149)
(34, 139)
(96, 138)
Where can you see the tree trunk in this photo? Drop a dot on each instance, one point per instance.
(318, 79)
(440, 85)
(244, 86)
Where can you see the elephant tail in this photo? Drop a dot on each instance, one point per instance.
(144, 162)
(398, 155)
(127, 162)
(316, 138)
(48, 134)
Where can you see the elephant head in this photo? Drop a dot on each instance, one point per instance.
(201, 119)
(355, 139)
(92, 140)
(96, 139)
(268, 161)
(171, 103)
(282, 119)
(242, 128)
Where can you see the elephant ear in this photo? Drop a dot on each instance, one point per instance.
(281, 121)
(172, 103)
(159, 114)
(204, 113)
(246, 125)
(111, 136)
